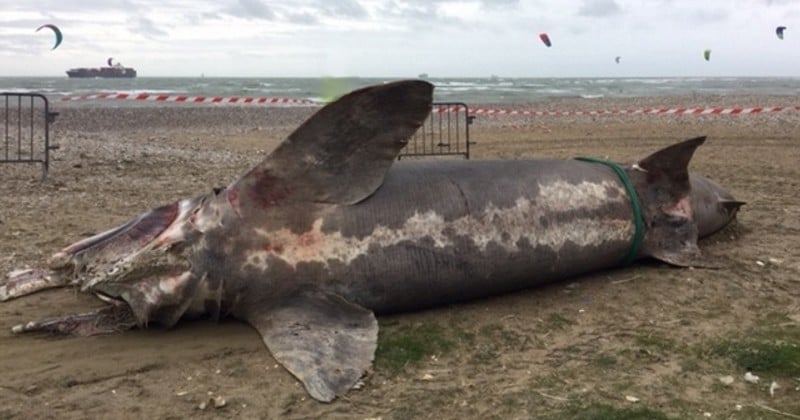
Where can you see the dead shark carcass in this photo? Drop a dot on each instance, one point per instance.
(330, 229)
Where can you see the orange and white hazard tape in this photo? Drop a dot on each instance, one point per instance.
(247, 100)
(643, 111)
(190, 99)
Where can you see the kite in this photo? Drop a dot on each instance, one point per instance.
(56, 31)
(779, 31)
(707, 54)
(617, 59)
(546, 39)
(109, 61)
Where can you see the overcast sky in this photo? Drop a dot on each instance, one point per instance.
(384, 38)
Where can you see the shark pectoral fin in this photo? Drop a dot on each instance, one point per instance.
(690, 257)
(106, 320)
(25, 282)
(125, 238)
(341, 154)
(322, 339)
(731, 206)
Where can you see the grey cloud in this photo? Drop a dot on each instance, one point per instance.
(251, 9)
(706, 15)
(414, 11)
(309, 11)
(17, 45)
(348, 8)
(146, 27)
(54, 6)
(716, 14)
(425, 13)
(302, 18)
(498, 4)
(198, 18)
(599, 8)
(31, 24)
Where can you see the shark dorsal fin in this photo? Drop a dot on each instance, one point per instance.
(671, 163)
(341, 154)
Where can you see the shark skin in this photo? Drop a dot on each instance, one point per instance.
(330, 229)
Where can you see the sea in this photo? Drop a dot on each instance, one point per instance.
(486, 90)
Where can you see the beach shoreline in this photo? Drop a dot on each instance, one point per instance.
(496, 90)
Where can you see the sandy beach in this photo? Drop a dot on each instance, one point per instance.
(648, 339)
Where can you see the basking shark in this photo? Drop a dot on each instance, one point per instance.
(331, 229)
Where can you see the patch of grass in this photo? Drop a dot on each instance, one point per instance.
(786, 332)
(548, 381)
(556, 322)
(399, 347)
(465, 337)
(405, 412)
(763, 357)
(509, 401)
(715, 310)
(495, 338)
(774, 317)
(605, 361)
(773, 348)
(606, 412)
(690, 364)
(421, 406)
(503, 336)
(485, 354)
(752, 412)
(655, 342)
(622, 385)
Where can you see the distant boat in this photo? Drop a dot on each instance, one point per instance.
(423, 75)
(110, 71)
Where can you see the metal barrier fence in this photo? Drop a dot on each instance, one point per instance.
(27, 117)
(444, 133)
(26, 129)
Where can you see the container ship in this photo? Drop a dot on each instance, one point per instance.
(111, 71)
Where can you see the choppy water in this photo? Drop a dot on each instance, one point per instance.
(469, 90)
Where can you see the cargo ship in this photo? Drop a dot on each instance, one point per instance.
(111, 71)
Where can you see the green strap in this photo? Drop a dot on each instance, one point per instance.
(638, 223)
